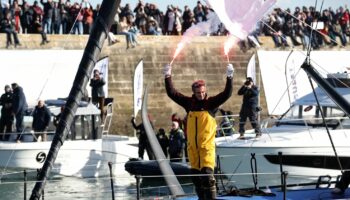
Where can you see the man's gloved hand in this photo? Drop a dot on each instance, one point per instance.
(230, 70)
(167, 70)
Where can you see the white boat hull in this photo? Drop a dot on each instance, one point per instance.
(235, 156)
(80, 158)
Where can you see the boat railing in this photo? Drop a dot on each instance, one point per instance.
(26, 136)
(149, 186)
(308, 123)
(108, 119)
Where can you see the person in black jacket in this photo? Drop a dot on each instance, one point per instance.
(97, 93)
(7, 118)
(41, 120)
(176, 142)
(143, 140)
(249, 107)
(163, 141)
(19, 106)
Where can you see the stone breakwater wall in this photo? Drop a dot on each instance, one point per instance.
(203, 58)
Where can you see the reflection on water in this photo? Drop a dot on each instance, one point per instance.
(12, 187)
(71, 188)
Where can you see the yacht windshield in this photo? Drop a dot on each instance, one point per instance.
(311, 116)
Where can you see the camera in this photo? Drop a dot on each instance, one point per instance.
(247, 83)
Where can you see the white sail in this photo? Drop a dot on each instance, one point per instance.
(138, 87)
(251, 69)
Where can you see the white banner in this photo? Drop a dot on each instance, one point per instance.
(251, 69)
(102, 67)
(43, 74)
(138, 87)
(278, 71)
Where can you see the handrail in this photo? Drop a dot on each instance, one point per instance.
(108, 119)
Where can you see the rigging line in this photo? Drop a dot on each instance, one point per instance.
(240, 162)
(280, 99)
(75, 20)
(326, 126)
(46, 81)
(310, 40)
(333, 76)
(285, 74)
(312, 31)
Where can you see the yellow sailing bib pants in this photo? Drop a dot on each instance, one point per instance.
(201, 129)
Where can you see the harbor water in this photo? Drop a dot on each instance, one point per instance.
(58, 188)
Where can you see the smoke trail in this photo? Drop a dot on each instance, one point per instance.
(239, 17)
(202, 28)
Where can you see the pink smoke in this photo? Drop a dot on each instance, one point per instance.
(201, 28)
(240, 17)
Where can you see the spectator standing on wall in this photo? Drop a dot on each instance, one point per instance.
(16, 11)
(47, 18)
(7, 118)
(77, 17)
(19, 106)
(27, 18)
(41, 121)
(88, 19)
(188, 19)
(56, 18)
(37, 11)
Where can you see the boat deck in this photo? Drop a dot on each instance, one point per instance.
(312, 194)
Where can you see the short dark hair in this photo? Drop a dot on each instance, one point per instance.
(198, 84)
(250, 79)
(161, 131)
(14, 85)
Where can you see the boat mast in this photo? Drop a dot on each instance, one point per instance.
(91, 54)
(169, 176)
(334, 95)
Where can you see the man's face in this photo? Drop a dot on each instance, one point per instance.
(200, 92)
(41, 104)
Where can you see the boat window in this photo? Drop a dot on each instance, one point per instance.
(86, 127)
(311, 115)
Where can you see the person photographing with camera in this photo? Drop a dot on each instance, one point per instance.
(97, 93)
(250, 107)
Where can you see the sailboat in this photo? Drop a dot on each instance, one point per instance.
(297, 140)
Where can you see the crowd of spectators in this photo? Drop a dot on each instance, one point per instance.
(66, 17)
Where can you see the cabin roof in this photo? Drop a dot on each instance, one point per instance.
(324, 100)
(85, 108)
